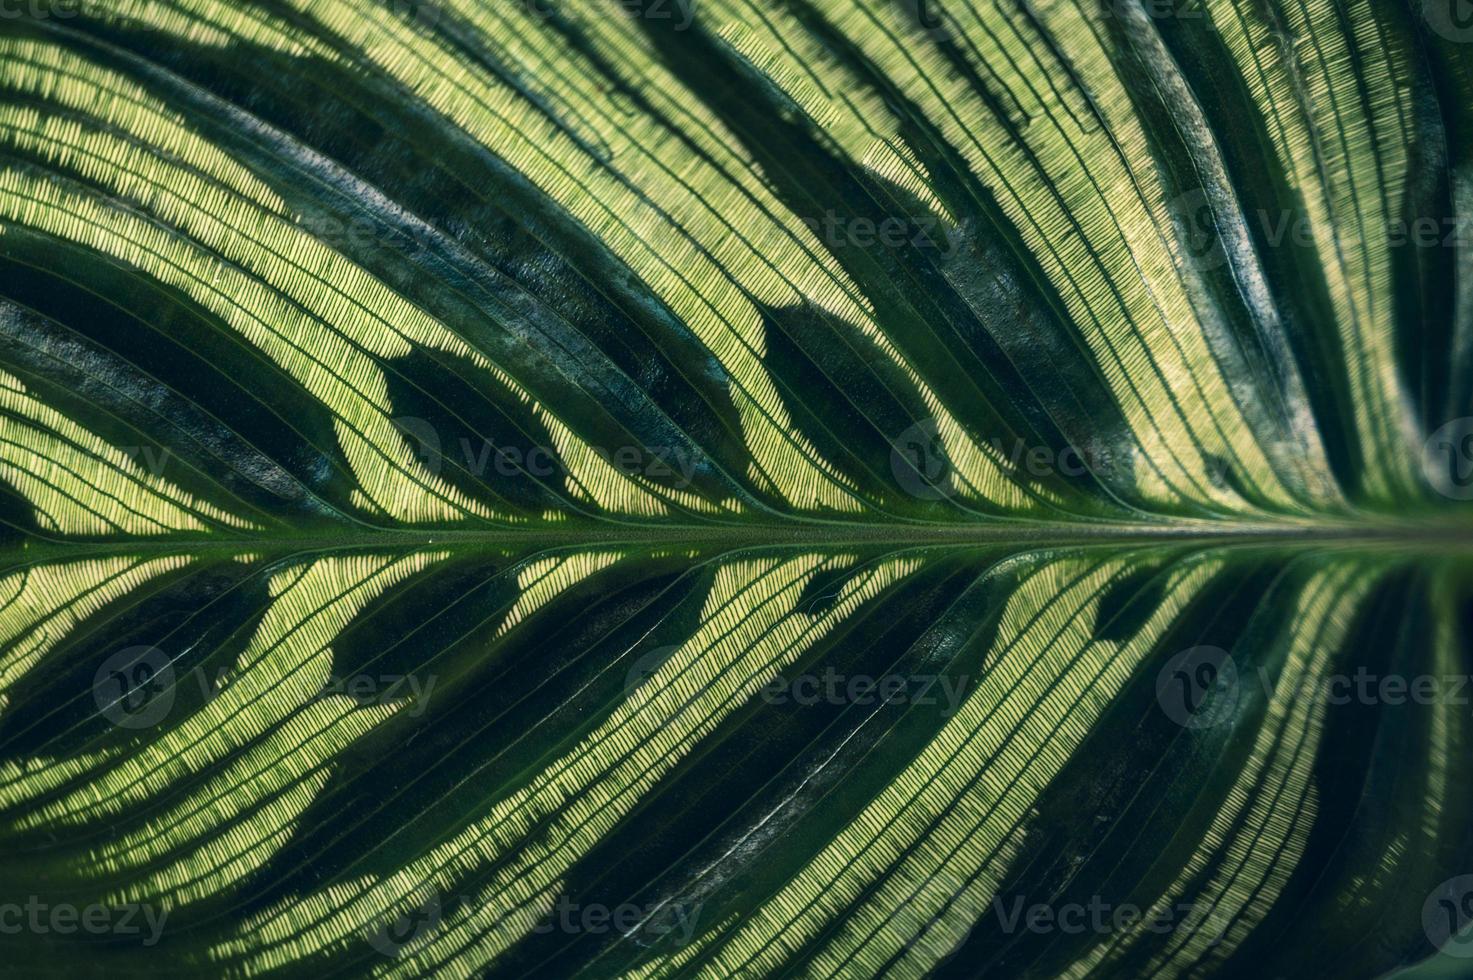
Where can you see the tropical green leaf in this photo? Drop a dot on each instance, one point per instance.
(669, 488)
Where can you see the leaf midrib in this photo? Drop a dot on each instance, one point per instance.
(1420, 534)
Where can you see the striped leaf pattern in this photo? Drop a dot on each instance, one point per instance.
(735, 488)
